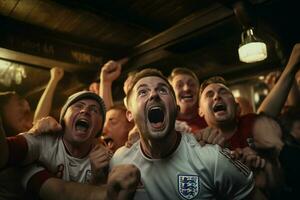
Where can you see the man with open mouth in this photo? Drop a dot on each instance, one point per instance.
(70, 151)
(173, 165)
(220, 111)
(186, 86)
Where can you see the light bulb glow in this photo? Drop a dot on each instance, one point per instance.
(253, 52)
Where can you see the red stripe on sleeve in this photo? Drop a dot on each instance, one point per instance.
(35, 183)
(18, 148)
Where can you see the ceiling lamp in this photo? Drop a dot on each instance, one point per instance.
(251, 49)
(11, 72)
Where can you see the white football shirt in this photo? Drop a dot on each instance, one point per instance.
(191, 172)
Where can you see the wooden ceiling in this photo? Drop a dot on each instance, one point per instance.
(81, 35)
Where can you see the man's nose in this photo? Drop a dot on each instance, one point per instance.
(84, 110)
(154, 94)
(186, 87)
(216, 96)
(106, 128)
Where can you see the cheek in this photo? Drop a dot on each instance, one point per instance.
(98, 122)
(68, 118)
(12, 118)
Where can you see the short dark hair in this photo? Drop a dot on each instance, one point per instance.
(179, 70)
(146, 73)
(211, 80)
(118, 106)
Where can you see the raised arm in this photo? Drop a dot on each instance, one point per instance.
(109, 72)
(275, 100)
(44, 105)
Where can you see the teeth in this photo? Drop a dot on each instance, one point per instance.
(187, 96)
(155, 108)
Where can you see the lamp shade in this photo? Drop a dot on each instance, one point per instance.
(251, 49)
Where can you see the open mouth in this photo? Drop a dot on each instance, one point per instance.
(156, 117)
(82, 125)
(187, 97)
(219, 107)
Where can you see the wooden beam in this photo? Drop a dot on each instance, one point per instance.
(32, 45)
(116, 13)
(156, 48)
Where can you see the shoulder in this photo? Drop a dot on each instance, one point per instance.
(124, 153)
(248, 119)
(197, 153)
(190, 141)
(43, 139)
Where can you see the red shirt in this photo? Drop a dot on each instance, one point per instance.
(243, 132)
(196, 123)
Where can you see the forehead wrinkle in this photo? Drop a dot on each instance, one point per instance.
(92, 104)
(159, 84)
(163, 85)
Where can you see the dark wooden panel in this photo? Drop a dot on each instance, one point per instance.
(23, 9)
(7, 6)
(40, 48)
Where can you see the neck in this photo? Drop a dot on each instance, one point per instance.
(187, 114)
(162, 147)
(77, 150)
(228, 129)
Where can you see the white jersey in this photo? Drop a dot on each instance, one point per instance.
(191, 172)
(50, 151)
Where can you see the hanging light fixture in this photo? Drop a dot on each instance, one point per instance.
(251, 49)
(11, 73)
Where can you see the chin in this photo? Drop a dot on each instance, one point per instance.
(157, 134)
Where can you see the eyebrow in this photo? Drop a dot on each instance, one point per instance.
(163, 84)
(219, 90)
(142, 85)
(158, 85)
(90, 105)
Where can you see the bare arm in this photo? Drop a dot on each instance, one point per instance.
(267, 134)
(275, 100)
(121, 185)
(57, 189)
(294, 95)
(45, 102)
(109, 72)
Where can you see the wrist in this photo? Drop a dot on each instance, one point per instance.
(54, 79)
(105, 83)
(33, 131)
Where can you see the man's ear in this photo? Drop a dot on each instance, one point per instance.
(200, 112)
(129, 116)
(178, 108)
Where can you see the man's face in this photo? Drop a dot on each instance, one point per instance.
(83, 120)
(217, 104)
(186, 91)
(153, 107)
(17, 115)
(116, 128)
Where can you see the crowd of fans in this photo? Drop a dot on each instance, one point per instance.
(170, 138)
